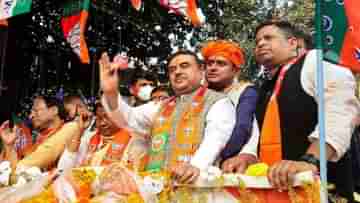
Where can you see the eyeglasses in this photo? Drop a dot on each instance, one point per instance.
(220, 63)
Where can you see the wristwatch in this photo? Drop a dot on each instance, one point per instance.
(311, 159)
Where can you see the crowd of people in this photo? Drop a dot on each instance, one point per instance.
(209, 118)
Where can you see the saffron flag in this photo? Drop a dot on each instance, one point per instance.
(136, 4)
(187, 8)
(341, 32)
(3, 22)
(10, 8)
(73, 24)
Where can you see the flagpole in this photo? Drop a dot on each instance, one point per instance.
(93, 78)
(3, 58)
(321, 102)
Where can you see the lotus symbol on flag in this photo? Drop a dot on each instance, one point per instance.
(157, 143)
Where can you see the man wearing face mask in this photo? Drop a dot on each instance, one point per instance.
(141, 87)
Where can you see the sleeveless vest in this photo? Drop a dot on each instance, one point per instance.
(99, 154)
(179, 128)
(295, 103)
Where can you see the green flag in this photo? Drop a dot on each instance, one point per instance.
(341, 32)
(10, 8)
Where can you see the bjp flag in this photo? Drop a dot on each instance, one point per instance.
(341, 32)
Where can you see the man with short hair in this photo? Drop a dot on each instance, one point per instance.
(187, 134)
(47, 113)
(108, 144)
(160, 93)
(287, 111)
(141, 85)
(305, 41)
(47, 116)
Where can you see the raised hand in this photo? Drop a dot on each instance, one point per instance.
(109, 78)
(83, 121)
(8, 135)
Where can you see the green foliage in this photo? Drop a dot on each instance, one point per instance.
(302, 14)
(115, 26)
(242, 16)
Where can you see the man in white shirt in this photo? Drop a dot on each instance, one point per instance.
(293, 90)
(223, 60)
(190, 118)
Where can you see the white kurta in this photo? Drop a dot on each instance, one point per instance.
(219, 124)
(341, 104)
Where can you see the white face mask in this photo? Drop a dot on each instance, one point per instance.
(145, 92)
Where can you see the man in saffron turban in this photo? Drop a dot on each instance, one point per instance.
(223, 61)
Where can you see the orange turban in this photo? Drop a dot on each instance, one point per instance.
(227, 49)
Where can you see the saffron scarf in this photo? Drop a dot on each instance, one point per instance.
(270, 140)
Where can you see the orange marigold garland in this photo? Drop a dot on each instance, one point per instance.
(83, 178)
